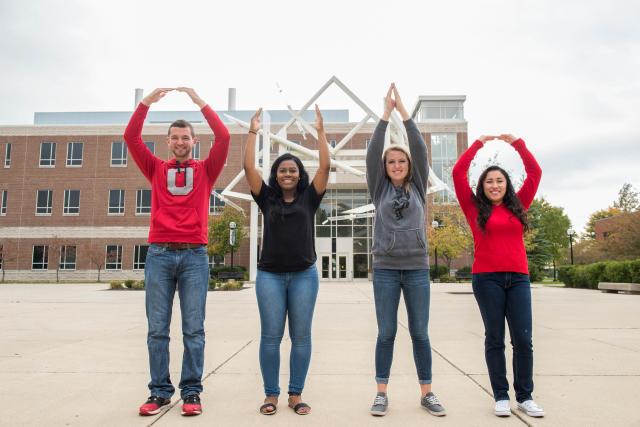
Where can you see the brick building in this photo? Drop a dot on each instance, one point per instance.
(71, 197)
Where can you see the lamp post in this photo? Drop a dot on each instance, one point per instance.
(232, 238)
(571, 233)
(435, 224)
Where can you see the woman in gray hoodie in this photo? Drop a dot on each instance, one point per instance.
(397, 181)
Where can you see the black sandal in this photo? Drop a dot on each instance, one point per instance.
(268, 405)
(299, 406)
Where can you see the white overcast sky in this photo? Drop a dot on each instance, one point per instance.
(564, 75)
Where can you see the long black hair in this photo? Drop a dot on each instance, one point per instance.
(510, 200)
(303, 182)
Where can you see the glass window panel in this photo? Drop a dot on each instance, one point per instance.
(344, 231)
(360, 267)
(359, 245)
(323, 231)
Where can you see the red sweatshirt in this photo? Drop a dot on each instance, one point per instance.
(501, 246)
(179, 196)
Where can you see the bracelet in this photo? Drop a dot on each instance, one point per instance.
(253, 132)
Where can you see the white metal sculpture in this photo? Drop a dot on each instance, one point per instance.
(396, 135)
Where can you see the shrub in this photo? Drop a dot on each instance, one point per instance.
(617, 271)
(566, 274)
(231, 285)
(588, 276)
(115, 284)
(535, 274)
(634, 270)
(129, 283)
(139, 284)
(443, 271)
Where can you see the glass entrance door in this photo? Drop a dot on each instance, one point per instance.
(335, 267)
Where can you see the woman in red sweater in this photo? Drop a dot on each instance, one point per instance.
(497, 216)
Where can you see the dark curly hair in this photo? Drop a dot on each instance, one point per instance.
(303, 182)
(511, 201)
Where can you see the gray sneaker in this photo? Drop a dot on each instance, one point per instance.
(431, 403)
(380, 405)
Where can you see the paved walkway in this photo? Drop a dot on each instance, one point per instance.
(75, 355)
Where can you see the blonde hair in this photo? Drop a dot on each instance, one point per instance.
(406, 152)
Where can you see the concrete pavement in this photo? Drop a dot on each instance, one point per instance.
(75, 355)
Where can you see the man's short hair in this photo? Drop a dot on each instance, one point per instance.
(181, 124)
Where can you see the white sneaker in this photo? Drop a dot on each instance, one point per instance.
(531, 408)
(502, 409)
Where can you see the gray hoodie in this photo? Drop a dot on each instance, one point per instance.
(399, 243)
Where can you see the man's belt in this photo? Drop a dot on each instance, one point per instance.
(175, 246)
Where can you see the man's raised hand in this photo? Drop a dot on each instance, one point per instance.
(193, 95)
(156, 95)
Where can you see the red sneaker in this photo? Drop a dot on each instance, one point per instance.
(191, 405)
(153, 405)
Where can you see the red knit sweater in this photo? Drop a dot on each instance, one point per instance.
(501, 246)
(179, 196)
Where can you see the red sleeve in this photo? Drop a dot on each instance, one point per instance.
(145, 160)
(220, 148)
(461, 181)
(534, 174)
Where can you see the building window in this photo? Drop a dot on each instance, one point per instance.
(47, 154)
(140, 256)
(332, 143)
(151, 146)
(43, 202)
(444, 154)
(118, 154)
(74, 153)
(438, 110)
(215, 204)
(366, 143)
(67, 257)
(3, 203)
(71, 202)
(116, 202)
(195, 153)
(113, 257)
(40, 257)
(143, 202)
(7, 156)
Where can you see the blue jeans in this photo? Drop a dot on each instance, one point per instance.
(188, 270)
(414, 285)
(499, 296)
(281, 295)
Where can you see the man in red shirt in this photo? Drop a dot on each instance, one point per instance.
(177, 256)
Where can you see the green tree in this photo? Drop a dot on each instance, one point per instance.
(219, 231)
(627, 199)
(453, 236)
(547, 242)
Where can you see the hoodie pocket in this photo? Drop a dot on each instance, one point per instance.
(403, 243)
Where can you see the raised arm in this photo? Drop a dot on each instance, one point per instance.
(375, 168)
(527, 192)
(250, 172)
(460, 174)
(324, 163)
(417, 147)
(220, 148)
(145, 160)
